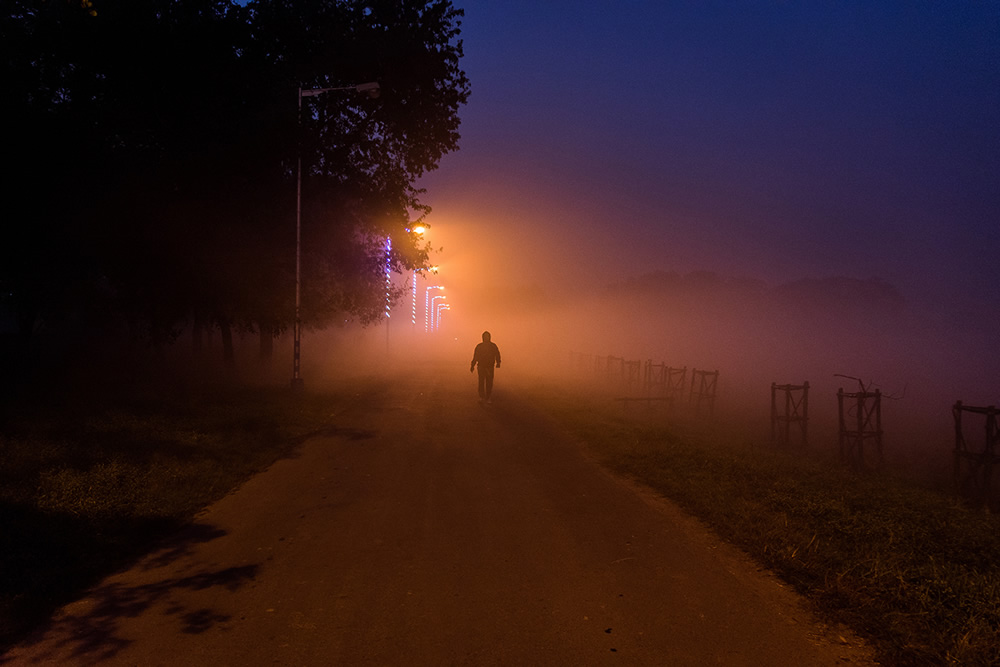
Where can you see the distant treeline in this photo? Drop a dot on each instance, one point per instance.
(834, 294)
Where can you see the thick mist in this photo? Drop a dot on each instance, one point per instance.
(755, 334)
(752, 332)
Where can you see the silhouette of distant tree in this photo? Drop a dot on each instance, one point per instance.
(151, 149)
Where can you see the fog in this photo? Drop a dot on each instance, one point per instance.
(754, 332)
(757, 190)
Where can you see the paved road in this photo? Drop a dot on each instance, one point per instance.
(429, 530)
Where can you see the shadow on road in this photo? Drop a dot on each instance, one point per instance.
(89, 629)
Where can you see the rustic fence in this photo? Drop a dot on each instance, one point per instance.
(663, 380)
(865, 426)
(796, 411)
(859, 414)
(704, 385)
(974, 466)
(650, 383)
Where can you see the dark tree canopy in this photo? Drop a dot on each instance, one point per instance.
(151, 176)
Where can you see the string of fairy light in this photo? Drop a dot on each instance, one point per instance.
(429, 323)
(388, 275)
(432, 309)
(414, 314)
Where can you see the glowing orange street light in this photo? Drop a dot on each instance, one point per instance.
(419, 231)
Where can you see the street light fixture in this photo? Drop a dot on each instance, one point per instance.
(427, 306)
(416, 273)
(434, 310)
(419, 231)
(437, 314)
(388, 287)
(372, 90)
(413, 314)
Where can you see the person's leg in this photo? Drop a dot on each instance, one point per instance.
(489, 383)
(482, 385)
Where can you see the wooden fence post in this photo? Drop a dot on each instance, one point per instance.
(867, 426)
(974, 469)
(796, 410)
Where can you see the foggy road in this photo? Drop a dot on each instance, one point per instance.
(427, 529)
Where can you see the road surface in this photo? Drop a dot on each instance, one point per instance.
(427, 529)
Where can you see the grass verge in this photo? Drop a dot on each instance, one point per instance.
(910, 569)
(89, 484)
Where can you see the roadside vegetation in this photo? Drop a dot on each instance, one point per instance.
(89, 482)
(910, 569)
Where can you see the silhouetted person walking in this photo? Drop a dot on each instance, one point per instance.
(487, 355)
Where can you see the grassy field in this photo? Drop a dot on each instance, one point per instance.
(908, 568)
(89, 483)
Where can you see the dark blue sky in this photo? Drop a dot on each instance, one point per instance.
(767, 139)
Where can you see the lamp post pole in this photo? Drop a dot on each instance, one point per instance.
(297, 383)
(437, 314)
(419, 231)
(413, 310)
(416, 274)
(388, 286)
(372, 90)
(434, 310)
(427, 307)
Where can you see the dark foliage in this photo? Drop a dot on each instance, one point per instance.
(150, 175)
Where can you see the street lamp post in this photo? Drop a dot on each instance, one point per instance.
(437, 314)
(372, 89)
(413, 311)
(419, 231)
(416, 274)
(388, 287)
(434, 310)
(427, 306)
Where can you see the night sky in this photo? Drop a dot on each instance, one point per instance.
(769, 140)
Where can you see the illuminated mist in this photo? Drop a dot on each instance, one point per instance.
(523, 274)
(781, 193)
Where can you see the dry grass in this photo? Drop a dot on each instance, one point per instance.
(913, 570)
(88, 484)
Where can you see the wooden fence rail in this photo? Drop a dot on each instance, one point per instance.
(704, 385)
(796, 404)
(866, 426)
(974, 467)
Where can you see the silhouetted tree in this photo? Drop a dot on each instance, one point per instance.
(152, 172)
